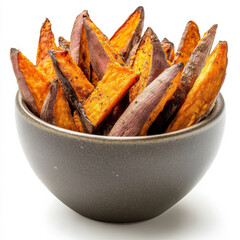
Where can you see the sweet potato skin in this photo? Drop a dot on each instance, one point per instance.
(189, 41)
(182, 85)
(76, 36)
(133, 119)
(150, 61)
(79, 46)
(101, 50)
(33, 84)
(204, 90)
(133, 26)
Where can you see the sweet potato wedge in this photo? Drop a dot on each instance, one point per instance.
(176, 94)
(109, 92)
(73, 73)
(46, 42)
(101, 50)
(63, 44)
(133, 119)
(150, 61)
(125, 38)
(33, 84)
(168, 48)
(74, 84)
(189, 41)
(56, 109)
(204, 90)
(79, 46)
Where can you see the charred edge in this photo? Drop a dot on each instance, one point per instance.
(47, 109)
(72, 96)
(63, 43)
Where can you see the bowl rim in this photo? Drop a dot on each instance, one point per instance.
(212, 119)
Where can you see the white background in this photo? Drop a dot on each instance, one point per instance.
(29, 211)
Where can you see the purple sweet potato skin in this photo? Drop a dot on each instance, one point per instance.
(48, 105)
(98, 56)
(159, 60)
(132, 120)
(23, 88)
(132, 53)
(76, 36)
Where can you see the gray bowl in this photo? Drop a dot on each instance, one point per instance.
(119, 179)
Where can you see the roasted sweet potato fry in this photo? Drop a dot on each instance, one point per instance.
(46, 42)
(168, 48)
(129, 34)
(109, 91)
(79, 46)
(133, 119)
(56, 109)
(101, 50)
(204, 90)
(63, 44)
(176, 94)
(74, 84)
(73, 73)
(33, 84)
(150, 61)
(189, 41)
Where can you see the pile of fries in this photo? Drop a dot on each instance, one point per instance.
(128, 85)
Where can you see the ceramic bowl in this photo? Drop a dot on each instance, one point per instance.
(119, 179)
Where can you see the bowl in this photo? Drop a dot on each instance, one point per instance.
(119, 179)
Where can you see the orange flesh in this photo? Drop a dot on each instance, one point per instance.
(121, 38)
(74, 74)
(109, 49)
(204, 90)
(78, 122)
(46, 42)
(62, 112)
(142, 64)
(46, 67)
(189, 41)
(168, 48)
(37, 82)
(94, 78)
(84, 57)
(109, 91)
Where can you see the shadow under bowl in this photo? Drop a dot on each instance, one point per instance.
(119, 179)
